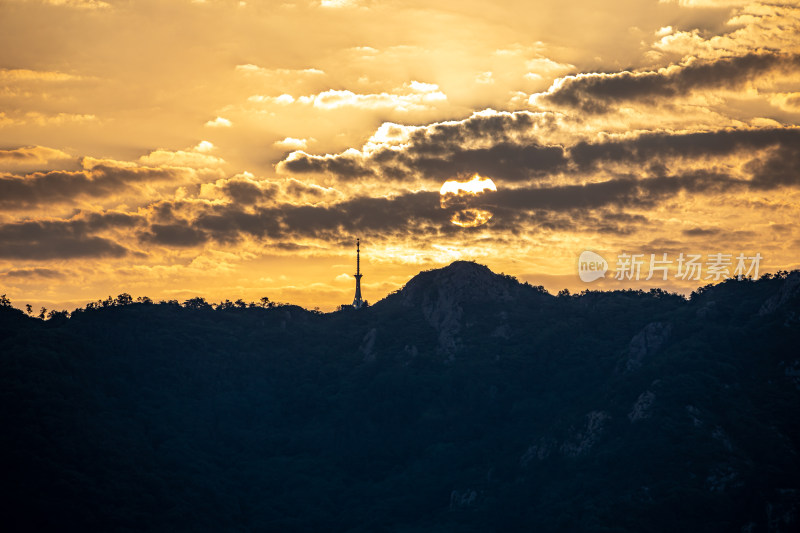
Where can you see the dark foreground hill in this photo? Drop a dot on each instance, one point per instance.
(465, 402)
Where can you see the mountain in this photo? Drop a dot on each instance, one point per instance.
(461, 295)
(466, 401)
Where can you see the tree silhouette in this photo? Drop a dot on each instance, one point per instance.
(196, 303)
(165, 417)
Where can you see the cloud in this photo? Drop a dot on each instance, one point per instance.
(509, 147)
(706, 3)
(413, 96)
(193, 158)
(755, 27)
(176, 234)
(25, 273)
(623, 191)
(652, 146)
(63, 239)
(420, 97)
(484, 78)
(540, 67)
(243, 189)
(27, 156)
(701, 232)
(23, 74)
(565, 208)
(786, 101)
(778, 169)
(283, 100)
(250, 69)
(192, 224)
(79, 4)
(204, 146)
(219, 122)
(307, 211)
(596, 92)
(5, 120)
(101, 180)
(496, 144)
(338, 4)
(589, 208)
(55, 119)
(290, 143)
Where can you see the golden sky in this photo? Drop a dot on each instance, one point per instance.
(227, 149)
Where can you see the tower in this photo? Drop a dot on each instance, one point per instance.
(357, 301)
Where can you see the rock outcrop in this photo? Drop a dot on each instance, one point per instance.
(443, 294)
(645, 343)
(789, 289)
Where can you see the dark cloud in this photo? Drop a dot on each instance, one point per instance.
(298, 189)
(92, 222)
(25, 273)
(367, 214)
(485, 143)
(226, 223)
(780, 168)
(41, 240)
(302, 163)
(701, 232)
(602, 220)
(65, 239)
(247, 192)
(595, 93)
(649, 147)
(509, 152)
(588, 207)
(506, 161)
(30, 155)
(174, 235)
(621, 192)
(595, 206)
(194, 224)
(41, 188)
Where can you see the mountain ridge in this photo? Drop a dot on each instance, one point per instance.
(436, 409)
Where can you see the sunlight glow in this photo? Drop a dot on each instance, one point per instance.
(476, 185)
(462, 196)
(471, 218)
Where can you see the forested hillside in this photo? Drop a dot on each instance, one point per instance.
(464, 402)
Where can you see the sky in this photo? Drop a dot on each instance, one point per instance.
(232, 149)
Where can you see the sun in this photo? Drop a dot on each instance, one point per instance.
(476, 185)
(464, 198)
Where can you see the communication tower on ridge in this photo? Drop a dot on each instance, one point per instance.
(357, 301)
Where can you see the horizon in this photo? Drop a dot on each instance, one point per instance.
(232, 150)
(267, 302)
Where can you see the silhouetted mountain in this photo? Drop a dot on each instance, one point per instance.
(462, 282)
(463, 295)
(466, 401)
